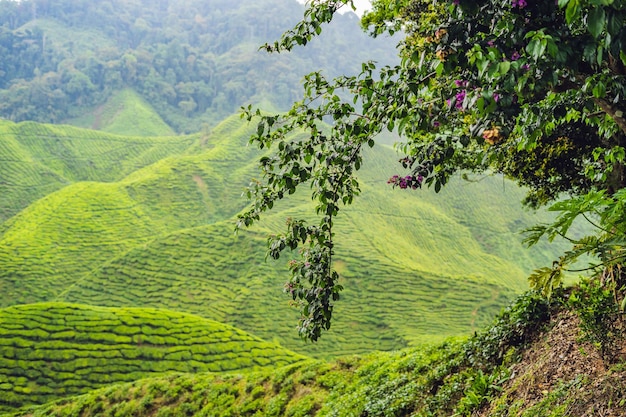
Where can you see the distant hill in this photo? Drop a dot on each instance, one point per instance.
(194, 61)
(54, 350)
(143, 221)
(125, 113)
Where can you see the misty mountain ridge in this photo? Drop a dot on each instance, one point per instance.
(195, 62)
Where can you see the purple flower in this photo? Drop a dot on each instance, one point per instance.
(460, 96)
(460, 83)
(409, 181)
(525, 67)
(436, 124)
(515, 56)
(496, 97)
(491, 43)
(519, 3)
(455, 2)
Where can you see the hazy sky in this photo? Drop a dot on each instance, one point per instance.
(361, 5)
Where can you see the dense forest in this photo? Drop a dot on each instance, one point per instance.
(196, 61)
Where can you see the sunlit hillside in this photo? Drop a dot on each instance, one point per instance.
(146, 221)
(53, 350)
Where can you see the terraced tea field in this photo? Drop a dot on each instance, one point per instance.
(125, 113)
(39, 159)
(148, 222)
(53, 350)
(187, 271)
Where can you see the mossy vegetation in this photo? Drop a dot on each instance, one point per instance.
(52, 350)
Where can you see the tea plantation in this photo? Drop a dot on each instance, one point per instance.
(148, 222)
(53, 350)
(39, 159)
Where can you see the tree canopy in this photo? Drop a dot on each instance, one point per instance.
(195, 61)
(532, 89)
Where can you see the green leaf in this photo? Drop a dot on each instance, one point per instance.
(536, 48)
(482, 66)
(572, 10)
(595, 21)
(599, 91)
(614, 22)
(505, 66)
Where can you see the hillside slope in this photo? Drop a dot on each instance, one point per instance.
(125, 113)
(52, 350)
(530, 363)
(155, 229)
(191, 271)
(38, 159)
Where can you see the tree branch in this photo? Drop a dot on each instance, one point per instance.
(615, 113)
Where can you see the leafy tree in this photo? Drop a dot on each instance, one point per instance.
(532, 89)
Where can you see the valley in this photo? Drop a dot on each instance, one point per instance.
(126, 290)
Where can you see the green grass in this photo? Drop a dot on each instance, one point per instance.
(149, 222)
(125, 113)
(53, 350)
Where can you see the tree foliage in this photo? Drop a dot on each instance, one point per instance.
(533, 90)
(195, 61)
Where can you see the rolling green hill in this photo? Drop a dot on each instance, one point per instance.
(53, 350)
(531, 362)
(188, 271)
(124, 113)
(149, 222)
(38, 159)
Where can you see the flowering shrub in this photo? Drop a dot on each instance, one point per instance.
(533, 90)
